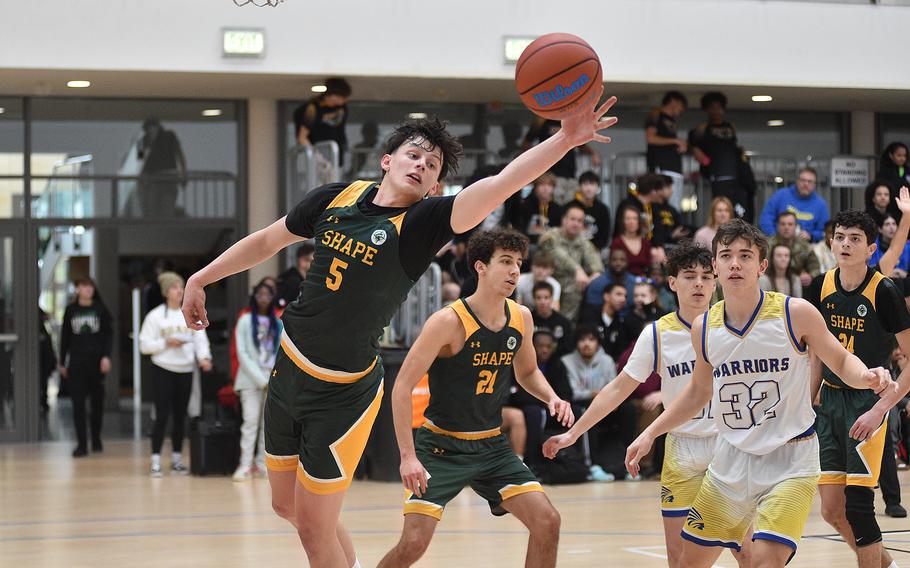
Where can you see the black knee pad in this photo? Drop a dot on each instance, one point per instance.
(861, 515)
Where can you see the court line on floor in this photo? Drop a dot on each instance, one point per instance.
(643, 550)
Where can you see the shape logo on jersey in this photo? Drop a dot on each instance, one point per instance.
(861, 310)
(511, 343)
(378, 237)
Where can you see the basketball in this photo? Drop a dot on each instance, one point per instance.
(556, 73)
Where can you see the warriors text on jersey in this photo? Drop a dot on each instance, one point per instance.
(468, 390)
(761, 376)
(665, 348)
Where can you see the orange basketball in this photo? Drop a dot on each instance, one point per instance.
(556, 73)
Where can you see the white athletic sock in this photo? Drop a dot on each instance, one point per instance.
(893, 565)
(176, 458)
(356, 564)
(156, 459)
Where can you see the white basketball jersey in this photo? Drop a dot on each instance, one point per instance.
(761, 377)
(665, 347)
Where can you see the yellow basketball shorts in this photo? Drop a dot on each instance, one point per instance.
(686, 460)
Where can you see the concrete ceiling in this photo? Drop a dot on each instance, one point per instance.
(52, 82)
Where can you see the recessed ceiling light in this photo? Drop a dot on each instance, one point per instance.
(762, 98)
(775, 123)
(417, 115)
(78, 84)
(211, 112)
(319, 88)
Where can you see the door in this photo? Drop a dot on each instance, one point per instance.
(16, 390)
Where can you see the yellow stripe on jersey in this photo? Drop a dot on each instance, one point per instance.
(397, 220)
(670, 323)
(716, 315)
(773, 306)
(829, 285)
(350, 194)
(467, 320)
(315, 370)
(479, 435)
(516, 320)
(872, 286)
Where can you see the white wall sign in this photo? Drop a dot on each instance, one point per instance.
(849, 171)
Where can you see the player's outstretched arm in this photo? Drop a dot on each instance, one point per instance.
(604, 403)
(437, 332)
(893, 255)
(689, 403)
(243, 255)
(869, 422)
(809, 327)
(475, 202)
(532, 380)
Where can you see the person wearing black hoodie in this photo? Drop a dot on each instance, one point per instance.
(85, 354)
(893, 167)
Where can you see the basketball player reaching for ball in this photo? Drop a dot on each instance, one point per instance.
(665, 348)
(751, 353)
(469, 349)
(373, 242)
(864, 310)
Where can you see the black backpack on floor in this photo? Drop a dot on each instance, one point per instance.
(567, 467)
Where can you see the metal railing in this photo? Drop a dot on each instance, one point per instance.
(423, 300)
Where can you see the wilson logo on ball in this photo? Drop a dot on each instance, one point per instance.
(559, 92)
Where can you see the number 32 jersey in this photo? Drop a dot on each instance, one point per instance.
(761, 376)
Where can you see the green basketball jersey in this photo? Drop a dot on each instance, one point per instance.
(468, 390)
(853, 318)
(353, 288)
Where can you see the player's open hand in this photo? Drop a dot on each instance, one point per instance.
(639, 449)
(562, 410)
(866, 424)
(413, 475)
(879, 380)
(552, 446)
(903, 200)
(585, 125)
(194, 306)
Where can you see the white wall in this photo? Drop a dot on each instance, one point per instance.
(762, 42)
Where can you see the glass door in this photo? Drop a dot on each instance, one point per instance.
(15, 388)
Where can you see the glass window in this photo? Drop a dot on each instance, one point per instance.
(12, 161)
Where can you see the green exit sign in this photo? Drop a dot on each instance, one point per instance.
(245, 42)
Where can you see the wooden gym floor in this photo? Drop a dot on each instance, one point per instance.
(105, 511)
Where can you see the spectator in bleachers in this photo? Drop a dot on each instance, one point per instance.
(822, 250)
(589, 369)
(642, 198)
(714, 145)
(617, 271)
(721, 212)
(536, 416)
(802, 259)
(893, 166)
(290, 280)
(597, 214)
(366, 152)
(810, 209)
(257, 333)
(546, 318)
(542, 267)
(779, 276)
(538, 212)
(668, 225)
(566, 168)
(886, 234)
(881, 200)
(617, 330)
(665, 296)
(453, 261)
(325, 116)
(665, 148)
(577, 261)
(631, 239)
(645, 304)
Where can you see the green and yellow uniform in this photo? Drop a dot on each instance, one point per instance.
(864, 320)
(326, 387)
(461, 443)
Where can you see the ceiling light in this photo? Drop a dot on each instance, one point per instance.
(2, 110)
(319, 88)
(417, 115)
(775, 123)
(762, 98)
(778, 179)
(211, 112)
(78, 84)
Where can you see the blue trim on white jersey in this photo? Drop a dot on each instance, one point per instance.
(704, 338)
(761, 300)
(796, 343)
(654, 338)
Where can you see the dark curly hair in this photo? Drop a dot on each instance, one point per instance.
(739, 229)
(483, 244)
(713, 97)
(688, 254)
(433, 131)
(861, 220)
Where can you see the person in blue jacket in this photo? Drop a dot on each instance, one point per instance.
(811, 210)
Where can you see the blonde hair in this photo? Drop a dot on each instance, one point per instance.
(712, 221)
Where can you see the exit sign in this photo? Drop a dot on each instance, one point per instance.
(242, 42)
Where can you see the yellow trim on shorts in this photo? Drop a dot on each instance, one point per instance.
(347, 451)
(419, 507)
(281, 463)
(833, 478)
(481, 435)
(318, 372)
(510, 490)
(350, 194)
(827, 384)
(870, 450)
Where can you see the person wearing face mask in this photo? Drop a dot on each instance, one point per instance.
(175, 351)
(325, 116)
